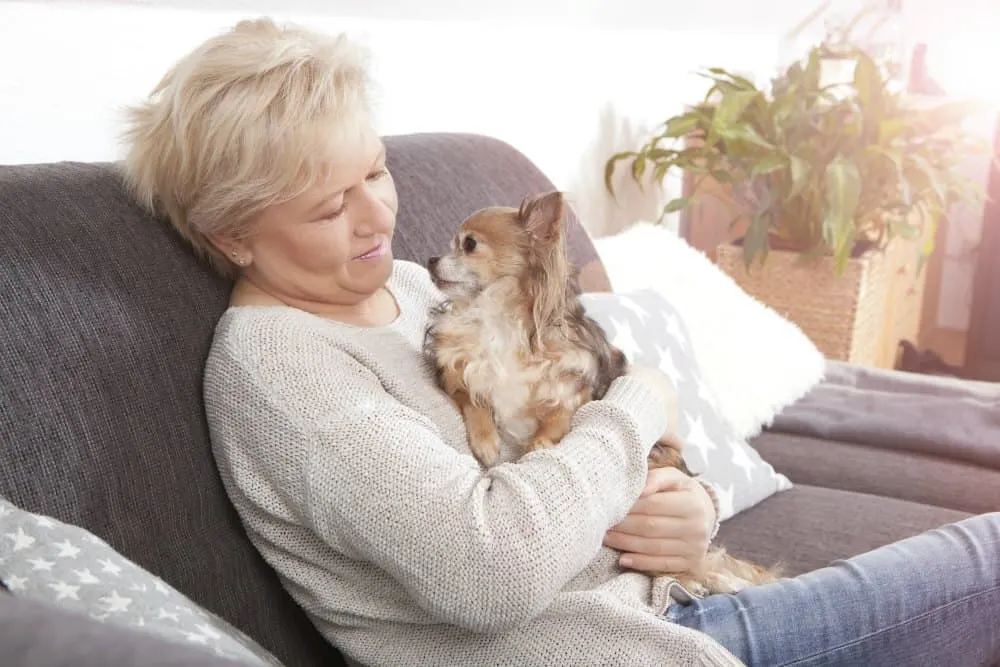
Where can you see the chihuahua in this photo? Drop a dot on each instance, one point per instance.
(514, 349)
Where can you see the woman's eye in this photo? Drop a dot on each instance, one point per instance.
(333, 215)
(375, 175)
(469, 244)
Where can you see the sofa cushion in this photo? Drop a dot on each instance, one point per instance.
(50, 561)
(808, 527)
(35, 634)
(106, 319)
(896, 473)
(755, 360)
(650, 331)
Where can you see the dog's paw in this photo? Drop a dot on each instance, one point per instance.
(540, 442)
(486, 449)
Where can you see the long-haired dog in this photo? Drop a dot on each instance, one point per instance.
(514, 349)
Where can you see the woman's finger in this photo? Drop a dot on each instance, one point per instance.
(682, 504)
(654, 527)
(656, 564)
(626, 542)
(663, 479)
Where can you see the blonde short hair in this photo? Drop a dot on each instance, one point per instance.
(245, 121)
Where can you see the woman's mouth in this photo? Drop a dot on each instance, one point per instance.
(376, 252)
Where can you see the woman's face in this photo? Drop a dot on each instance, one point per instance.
(332, 245)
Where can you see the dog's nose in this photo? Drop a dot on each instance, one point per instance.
(433, 262)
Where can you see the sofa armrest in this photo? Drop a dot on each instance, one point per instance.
(37, 635)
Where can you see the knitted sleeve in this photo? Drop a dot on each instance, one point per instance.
(483, 549)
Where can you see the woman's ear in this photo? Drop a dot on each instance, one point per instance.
(235, 252)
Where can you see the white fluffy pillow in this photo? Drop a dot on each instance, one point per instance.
(754, 361)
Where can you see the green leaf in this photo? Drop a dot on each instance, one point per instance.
(755, 242)
(609, 168)
(890, 129)
(678, 204)
(638, 169)
(768, 164)
(683, 125)
(800, 175)
(740, 81)
(867, 79)
(744, 133)
(729, 110)
(843, 192)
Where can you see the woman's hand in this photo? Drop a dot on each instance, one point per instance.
(669, 528)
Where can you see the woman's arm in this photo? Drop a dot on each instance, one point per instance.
(487, 550)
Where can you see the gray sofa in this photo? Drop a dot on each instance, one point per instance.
(105, 319)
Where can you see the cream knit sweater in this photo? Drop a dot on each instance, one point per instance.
(352, 476)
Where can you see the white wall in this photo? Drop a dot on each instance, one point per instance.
(568, 94)
(568, 82)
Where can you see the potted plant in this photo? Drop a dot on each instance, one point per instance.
(827, 180)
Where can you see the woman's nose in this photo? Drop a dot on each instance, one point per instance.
(376, 215)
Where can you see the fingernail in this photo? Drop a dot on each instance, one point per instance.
(625, 561)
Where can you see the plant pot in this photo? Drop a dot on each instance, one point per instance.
(858, 317)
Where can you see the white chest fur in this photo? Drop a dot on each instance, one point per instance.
(491, 344)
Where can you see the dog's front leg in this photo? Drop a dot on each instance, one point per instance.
(484, 440)
(552, 426)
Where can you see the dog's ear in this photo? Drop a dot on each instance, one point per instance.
(542, 215)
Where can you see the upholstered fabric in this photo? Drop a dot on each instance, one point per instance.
(105, 322)
(646, 327)
(807, 527)
(897, 473)
(34, 634)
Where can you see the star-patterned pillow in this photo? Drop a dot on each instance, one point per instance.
(644, 326)
(64, 565)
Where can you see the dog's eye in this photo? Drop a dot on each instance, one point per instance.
(468, 244)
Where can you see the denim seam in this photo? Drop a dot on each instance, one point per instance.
(967, 598)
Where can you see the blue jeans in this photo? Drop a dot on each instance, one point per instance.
(932, 599)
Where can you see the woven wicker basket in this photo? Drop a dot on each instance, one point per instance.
(845, 316)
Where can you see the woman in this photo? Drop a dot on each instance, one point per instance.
(350, 469)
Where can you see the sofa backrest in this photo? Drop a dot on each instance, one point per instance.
(105, 321)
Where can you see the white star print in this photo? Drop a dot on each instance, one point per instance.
(98, 617)
(16, 583)
(624, 340)
(4, 510)
(86, 577)
(195, 637)
(44, 522)
(139, 622)
(164, 614)
(67, 550)
(138, 588)
(109, 567)
(741, 459)
(208, 631)
(94, 539)
(697, 437)
(667, 365)
(21, 539)
(116, 602)
(161, 587)
(674, 329)
(40, 564)
(635, 309)
(64, 590)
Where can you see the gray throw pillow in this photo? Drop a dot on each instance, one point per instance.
(644, 326)
(50, 561)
